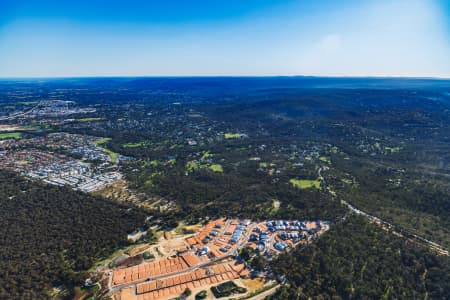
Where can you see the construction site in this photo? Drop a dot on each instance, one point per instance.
(197, 262)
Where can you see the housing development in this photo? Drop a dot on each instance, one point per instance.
(61, 159)
(201, 262)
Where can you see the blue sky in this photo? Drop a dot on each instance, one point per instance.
(246, 37)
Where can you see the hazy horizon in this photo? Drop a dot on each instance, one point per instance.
(100, 76)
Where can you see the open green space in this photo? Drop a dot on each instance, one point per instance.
(216, 168)
(134, 145)
(102, 141)
(232, 135)
(206, 154)
(191, 166)
(154, 163)
(325, 159)
(90, 119)
(114, 156)
(392, 149)
(305, 183)
(10, 135)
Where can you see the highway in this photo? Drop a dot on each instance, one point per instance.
(399, 231)
(393, 228)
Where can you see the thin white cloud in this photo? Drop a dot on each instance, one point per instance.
(389, 38)
(330, 43)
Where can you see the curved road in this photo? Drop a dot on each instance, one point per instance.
(264, 294)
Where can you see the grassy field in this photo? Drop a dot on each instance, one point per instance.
(216, 168)
(10, 135)
(206, 154)
(392, 149)
(305, 184)
(154, 163)
(325, 159)
(134, 145)
(90, 119)
(102, 141)
(232, 135)
(112, 155)
(191, 166)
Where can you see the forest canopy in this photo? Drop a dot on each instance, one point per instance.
(358, 260)
(51, 235)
